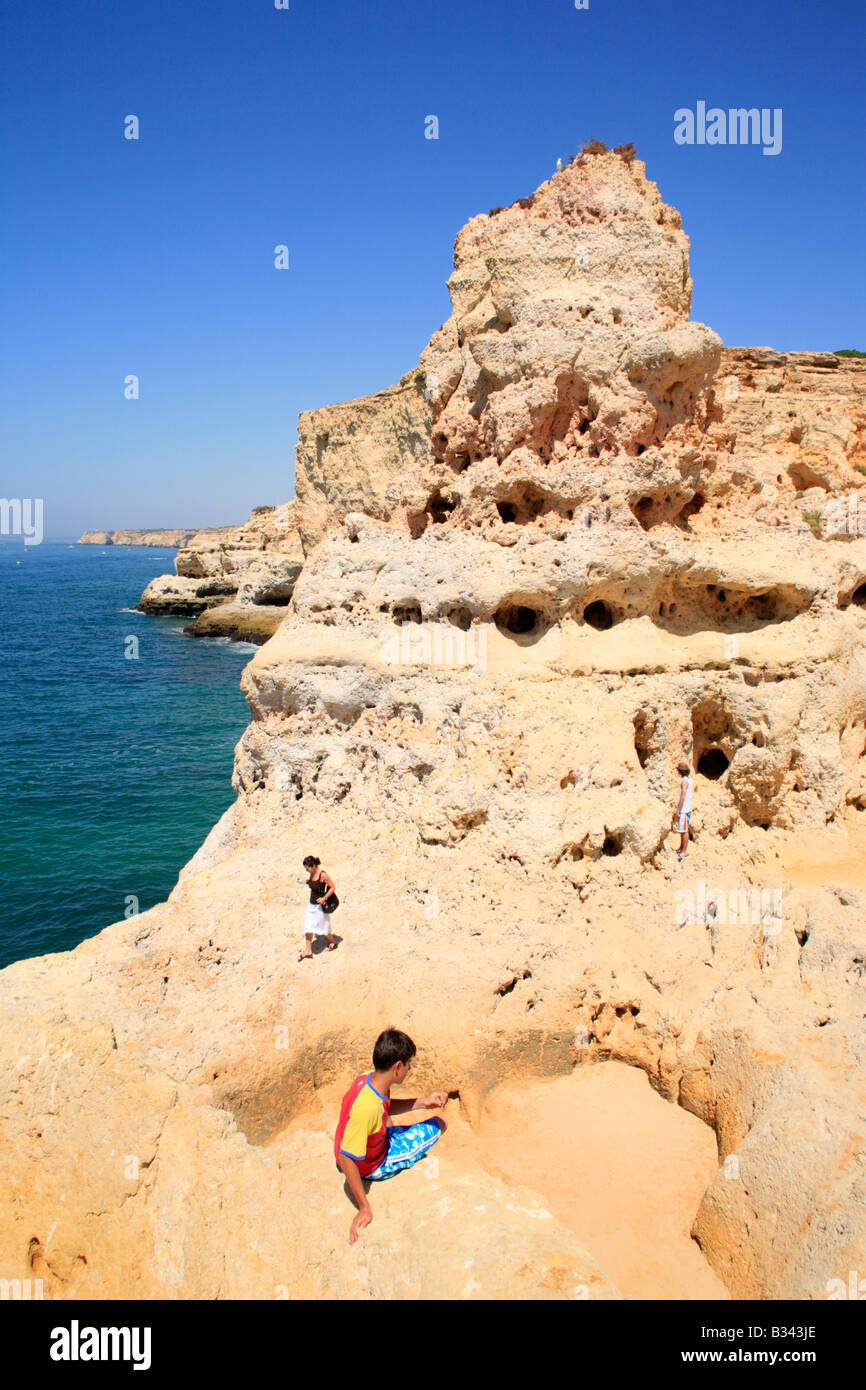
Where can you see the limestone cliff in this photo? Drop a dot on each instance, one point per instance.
(582, 542)
(169, 538)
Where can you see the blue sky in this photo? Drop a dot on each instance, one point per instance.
(306, 127)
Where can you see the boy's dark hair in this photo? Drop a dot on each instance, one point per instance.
(392, 1046)
(683, 768)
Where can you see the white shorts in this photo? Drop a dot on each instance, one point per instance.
(316, 921)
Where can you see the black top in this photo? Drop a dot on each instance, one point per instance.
(318, 888)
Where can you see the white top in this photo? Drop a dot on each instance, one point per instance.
(687, 800)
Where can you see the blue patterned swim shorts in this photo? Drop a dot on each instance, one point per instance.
(406, 1144)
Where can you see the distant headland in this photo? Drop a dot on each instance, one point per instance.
(169, 537)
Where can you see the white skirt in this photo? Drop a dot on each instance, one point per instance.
(316, 922)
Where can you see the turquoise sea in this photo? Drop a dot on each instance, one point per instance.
(112, 769)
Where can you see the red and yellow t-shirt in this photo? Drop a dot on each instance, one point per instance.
(362, 1126)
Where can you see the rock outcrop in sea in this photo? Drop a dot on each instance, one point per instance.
(581, 542)
(234, 581)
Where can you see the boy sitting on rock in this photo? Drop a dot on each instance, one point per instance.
(366, 1146)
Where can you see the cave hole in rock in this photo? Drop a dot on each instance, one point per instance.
(642, 509)
(440, 507)
(499, 322)
(406, 613)
(804, 477)
(691, 508)
(612, 845)
(574, 853)
(722, 608)
(508, 985)
(524, 507)
(715, 737)
(712, 763)
(599, 615)
(761, 606)
(859, 596)
(518, 618)
(460, 617)
(275, 598)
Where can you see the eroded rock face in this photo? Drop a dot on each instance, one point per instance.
(569, 346)
(236, 582)
(347, 454)
(583, 559)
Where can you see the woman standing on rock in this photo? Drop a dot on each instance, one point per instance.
(317, 922)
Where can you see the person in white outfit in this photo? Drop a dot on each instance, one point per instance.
(317, 922)
(684, 810)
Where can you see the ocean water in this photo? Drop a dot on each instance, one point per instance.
(112, 769)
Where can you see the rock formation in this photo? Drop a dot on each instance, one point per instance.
(236, 581)
(581, 542)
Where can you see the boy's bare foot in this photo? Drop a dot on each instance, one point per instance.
(305, 955)
(332, 946)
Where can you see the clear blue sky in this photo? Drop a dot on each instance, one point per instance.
(306, 127)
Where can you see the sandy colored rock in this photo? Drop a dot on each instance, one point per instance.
(472, 712)
(617, 1164)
